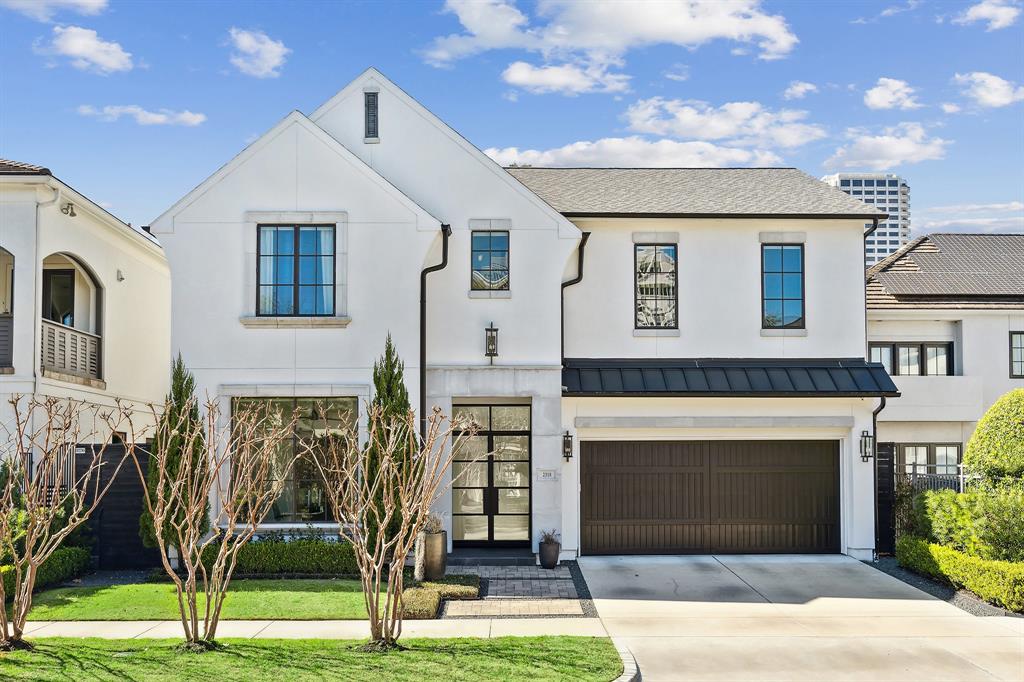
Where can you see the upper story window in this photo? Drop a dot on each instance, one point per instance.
(295, 270)
(372, 120)
(1017, 355)
(782, 286)
(489, 261)
(656, 274)
(914, 359)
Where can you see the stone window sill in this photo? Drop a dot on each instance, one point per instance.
(371, 140)
(655, 332)
(284, 322)
(6, 370)
(74, 379)
(490, 294)
(783, 332)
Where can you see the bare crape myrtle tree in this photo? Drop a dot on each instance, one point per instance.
(45, 494)
(406, 475)
(242, 467)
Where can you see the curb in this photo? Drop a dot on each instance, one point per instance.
(630, 670)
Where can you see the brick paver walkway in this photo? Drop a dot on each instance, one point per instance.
(518, 591)
(514, 607)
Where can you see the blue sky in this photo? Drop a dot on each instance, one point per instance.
(134, 103)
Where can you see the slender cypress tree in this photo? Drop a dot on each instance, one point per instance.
(181, 411)
(391, 396)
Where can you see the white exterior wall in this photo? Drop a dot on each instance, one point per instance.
(945, 409)
(134, 319)
(719, 291)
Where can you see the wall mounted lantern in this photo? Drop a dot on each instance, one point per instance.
(567, 446)
(867, 446)
(491, 342)
(68, 209)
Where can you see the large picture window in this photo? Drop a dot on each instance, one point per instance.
(303, 499)
(782, 286)
(914, 359)
(656, 293)
(295, 270)
(490, 261)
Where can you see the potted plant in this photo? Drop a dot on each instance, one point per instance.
(431, 550)
(550, 547)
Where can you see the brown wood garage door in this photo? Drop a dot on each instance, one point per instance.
(695, 497)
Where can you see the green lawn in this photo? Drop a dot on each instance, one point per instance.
(246, 600)
(508, 658)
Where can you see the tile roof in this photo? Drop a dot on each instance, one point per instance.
(8, 167)
(951, 270)
(689, 191)
(770, 378)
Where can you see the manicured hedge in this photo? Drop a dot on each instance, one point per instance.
(985, 522)
(295, 557)
(998, 582)
(64, 564)
(996, 449)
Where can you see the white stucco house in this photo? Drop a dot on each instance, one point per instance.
(84, 299)
(676, 360)
(946, 319)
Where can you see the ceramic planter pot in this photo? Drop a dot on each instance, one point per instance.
(549, 554)
(435, 555)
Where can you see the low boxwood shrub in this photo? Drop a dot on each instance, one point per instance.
(422, 600)
(64, 564)
(984, 522)
(998, 582)
(304, 556)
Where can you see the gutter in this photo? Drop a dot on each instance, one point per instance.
(580, 252)
(446, 232)
(37, 258)
(874, 470)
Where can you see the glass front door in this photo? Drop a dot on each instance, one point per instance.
(491, 493)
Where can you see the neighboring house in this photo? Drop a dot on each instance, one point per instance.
(295, 260)
(84, 298)
(946, 319)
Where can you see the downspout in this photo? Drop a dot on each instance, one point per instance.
(37, 278)
(575, 280)
(446, 232)
(864, 250)
(874, 435)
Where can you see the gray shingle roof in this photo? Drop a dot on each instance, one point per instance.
(689, 191)
(950, 267)
(8, 167)
(833, 377)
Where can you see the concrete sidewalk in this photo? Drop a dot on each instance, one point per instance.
(323, 629)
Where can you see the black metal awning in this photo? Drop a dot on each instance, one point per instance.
(732, 378)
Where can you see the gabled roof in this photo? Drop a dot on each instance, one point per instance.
(951, 270)
(690, 192)
(297, 118)
(756, 378)
(8, 167)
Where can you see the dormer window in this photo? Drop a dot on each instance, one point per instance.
(371, 132)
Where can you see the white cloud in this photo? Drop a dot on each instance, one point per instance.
(87, 51)
(568, 79)
(598, 35)
(976, 208)
(982, 225)
(678, 73)
(989, 90)
(44, 10)
(635, 151)
(740, 123)
(890, 93)
(142, 116)
(256, 53)
(903, 144)
(899, 9)
(799, 90)
(950, 108)
(998, 13)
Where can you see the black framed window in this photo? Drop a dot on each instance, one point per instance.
(656, 291)
(372, 119)
(59, 296)
(929, 458)
(303, 499)
(1017, 355)
(489, 261)
(782, 286)
(915, 358)
(295, 270)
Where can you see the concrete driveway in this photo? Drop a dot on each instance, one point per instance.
(792, 618)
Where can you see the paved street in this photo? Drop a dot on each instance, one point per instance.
(793, 618)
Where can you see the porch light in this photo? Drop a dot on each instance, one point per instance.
(491, 342)
(68, 209)
(567, 446)
(867, 446)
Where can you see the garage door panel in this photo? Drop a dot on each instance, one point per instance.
(709, 496)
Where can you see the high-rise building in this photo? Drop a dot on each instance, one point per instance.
(887, 192)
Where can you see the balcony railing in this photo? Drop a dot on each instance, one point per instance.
(70, 351)
(6, 340)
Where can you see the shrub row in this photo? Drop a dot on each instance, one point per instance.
(64, 564)
(295, 557)
(997, 582)
(985, 523)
